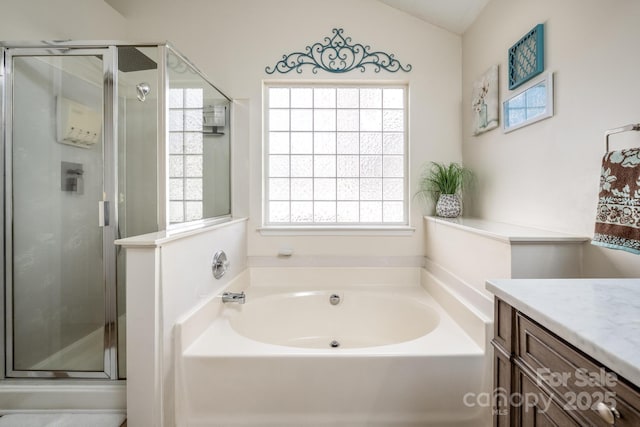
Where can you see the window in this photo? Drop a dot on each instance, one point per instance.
(185, 155)
(335, 155)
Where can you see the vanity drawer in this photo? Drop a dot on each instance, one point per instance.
(577, 380)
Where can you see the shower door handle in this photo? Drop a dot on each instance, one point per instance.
(103, 213)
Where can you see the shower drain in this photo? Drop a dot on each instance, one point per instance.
(334, 344)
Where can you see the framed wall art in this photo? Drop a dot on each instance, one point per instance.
(484, 102)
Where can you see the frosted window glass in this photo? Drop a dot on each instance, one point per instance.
(392, 121)
(193, 188)
(392, 98)
(348, 98)
(278, 166)
(370, 120)
(370, 211)
(371, 189)
(278, 143)
(348, 143)
(324, 166)
(301, 120)
(278, 119)
(370, 143)
(175, 143)
(348, 211)
(176, 189)
(176, 120)
(324, 143)
(176, 166)
(193, 120)
(324, 98)
(347, 120)
(176, 98)
(393, 143)
(371, 98)
(324, 211)
(348, 188)
(193, 98)
(193, 211)
(335, 155)
(193, 166)
(348, 166)
(193, 142)
(371, 166)
(279, 189)
(278, 97)
(394, 166)
(301, 98)
(301, 211)
(324, 120)
(301, 142)
(392, 189)
(301, 189)
(392, 212)
(278, 211)
(176, 212)
(324, 189)
(302, 166)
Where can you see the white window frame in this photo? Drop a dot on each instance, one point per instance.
(397, 228)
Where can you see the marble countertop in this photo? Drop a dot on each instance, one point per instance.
(601, 317)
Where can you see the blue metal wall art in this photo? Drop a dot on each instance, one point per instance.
(526, 57)
(338, 55)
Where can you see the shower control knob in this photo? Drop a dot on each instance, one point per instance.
(219, 264)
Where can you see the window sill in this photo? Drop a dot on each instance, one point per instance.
(319, 230)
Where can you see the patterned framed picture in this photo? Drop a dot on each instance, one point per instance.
(526, 57)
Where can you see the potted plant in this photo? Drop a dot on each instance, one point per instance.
(443, 183)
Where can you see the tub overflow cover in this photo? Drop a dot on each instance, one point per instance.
(334, 344)
(334, 299)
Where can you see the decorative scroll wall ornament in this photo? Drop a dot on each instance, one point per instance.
(338, 55)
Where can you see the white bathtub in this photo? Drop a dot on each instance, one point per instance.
(401, 359)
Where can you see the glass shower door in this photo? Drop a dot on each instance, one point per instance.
(59, 226)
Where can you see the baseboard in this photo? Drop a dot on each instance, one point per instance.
(57, 396)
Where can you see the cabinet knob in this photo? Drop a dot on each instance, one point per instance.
(609, 414)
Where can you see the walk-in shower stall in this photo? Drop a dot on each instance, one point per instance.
(101, 142)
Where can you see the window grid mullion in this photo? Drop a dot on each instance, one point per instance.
(313, 157)
(290, 204)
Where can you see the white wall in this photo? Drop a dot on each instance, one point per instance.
(547, 174)
(59, 20)
(233, 41)
(166, 278)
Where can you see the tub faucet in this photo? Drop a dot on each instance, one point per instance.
(233, 297)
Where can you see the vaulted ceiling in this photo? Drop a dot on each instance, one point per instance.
(453, 15)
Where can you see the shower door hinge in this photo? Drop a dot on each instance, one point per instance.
(103, 213)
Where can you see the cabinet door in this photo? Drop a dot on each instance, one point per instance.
(502, 367)
(537, 409)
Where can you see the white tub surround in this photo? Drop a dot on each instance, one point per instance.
(234, 368)
(167, 275)
(601, 317)
(465, 252)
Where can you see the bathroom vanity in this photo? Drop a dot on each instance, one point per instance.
(566, 352)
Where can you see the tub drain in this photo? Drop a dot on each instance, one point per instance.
(334, 344)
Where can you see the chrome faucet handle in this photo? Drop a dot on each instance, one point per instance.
(219, 264)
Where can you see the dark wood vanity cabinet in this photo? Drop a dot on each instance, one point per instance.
(541, 380)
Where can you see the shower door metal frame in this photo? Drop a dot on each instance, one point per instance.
(110, 185)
